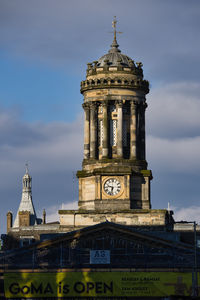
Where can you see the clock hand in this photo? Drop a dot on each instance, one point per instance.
(110, 188)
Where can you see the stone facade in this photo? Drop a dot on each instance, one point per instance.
(145, 217)
(134, 189)
(24, 218)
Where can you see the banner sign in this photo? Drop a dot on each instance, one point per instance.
(99, 256)
(99, 284)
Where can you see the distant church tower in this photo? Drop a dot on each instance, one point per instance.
(114, 172)
(26, 215)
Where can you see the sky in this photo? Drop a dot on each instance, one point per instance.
(44, 50)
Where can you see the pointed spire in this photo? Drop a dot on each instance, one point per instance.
(26, 204)
(114, 46)
(26, 167)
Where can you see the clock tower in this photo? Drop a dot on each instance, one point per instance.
(114, 173)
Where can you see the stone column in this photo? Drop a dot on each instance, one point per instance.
(86, 131)
(133, 133)
(119, 129)
(143, 142)
(105, 130)
(93, 130)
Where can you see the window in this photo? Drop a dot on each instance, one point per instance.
(26, 242)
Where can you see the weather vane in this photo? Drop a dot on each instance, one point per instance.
(114, 22)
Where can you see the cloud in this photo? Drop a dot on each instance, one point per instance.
(180, 155)
(47, 31)
(162, 34)
(54, 152)
(173, 128)
(39, 143)
(52, 211)
(189, 214)
(173, 143)
(173, 110)
(75, 32)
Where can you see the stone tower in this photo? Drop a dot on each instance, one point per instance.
(26, 215)
(114, 173)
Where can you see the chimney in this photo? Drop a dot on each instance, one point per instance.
(9, 220)
(44, 217)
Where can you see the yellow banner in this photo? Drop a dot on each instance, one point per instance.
(98, 284)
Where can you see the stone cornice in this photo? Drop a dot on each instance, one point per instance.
(118, 82)
(86, 106)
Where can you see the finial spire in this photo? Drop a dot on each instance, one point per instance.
(114, 22)
(114, 46)
(26, 167)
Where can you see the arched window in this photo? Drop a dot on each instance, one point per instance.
(113, 126)
(124, 133)
(100, 126)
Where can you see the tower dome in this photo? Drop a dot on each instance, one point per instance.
(114, 57)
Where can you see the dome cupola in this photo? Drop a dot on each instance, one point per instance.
(114, 57)
(114, 69)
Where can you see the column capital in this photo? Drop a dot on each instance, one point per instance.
(143, 105)
(93, 105)
(86, 106)
(119, 103)
(105, 103)
(134, 104)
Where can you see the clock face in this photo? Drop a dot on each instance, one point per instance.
(112, 186)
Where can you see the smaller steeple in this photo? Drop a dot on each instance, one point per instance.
(26, 209)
